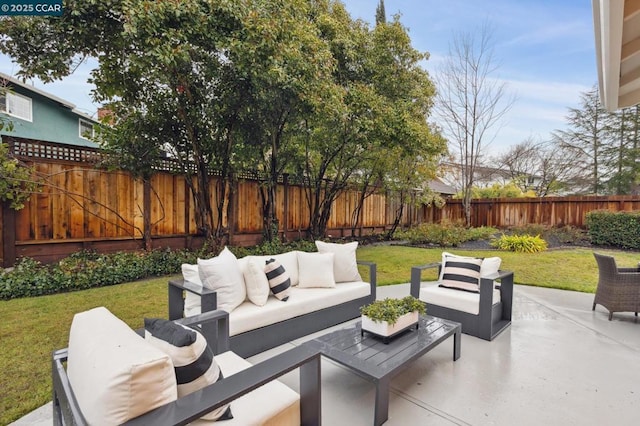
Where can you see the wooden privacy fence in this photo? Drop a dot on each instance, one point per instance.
(82, 207)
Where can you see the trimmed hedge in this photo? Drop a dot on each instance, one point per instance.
(618, 229)
(87, 269)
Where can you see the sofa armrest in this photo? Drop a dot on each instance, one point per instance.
(194, 405)
(416, 277)
(176, 297)
(373, 278)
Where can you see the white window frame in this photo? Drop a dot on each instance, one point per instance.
(93, 130)
(5, 108)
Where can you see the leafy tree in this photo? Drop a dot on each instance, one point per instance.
(16, 180)
(471, 102)
(385, 97)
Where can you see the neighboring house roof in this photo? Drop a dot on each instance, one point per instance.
(62, 102)
(617, 34)
(44, 117)
(436, 185)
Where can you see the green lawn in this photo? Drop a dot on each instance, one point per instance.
(32, 328)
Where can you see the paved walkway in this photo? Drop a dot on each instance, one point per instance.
(558, 364)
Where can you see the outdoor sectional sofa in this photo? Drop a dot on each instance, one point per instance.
(325, 289)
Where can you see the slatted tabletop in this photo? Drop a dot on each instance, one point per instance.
(369, 357)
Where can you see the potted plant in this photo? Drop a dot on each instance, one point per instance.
(386, 318)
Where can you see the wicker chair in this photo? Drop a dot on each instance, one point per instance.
(618, 288)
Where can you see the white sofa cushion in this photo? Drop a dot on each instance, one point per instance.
(193, 361)
(255, 280)
(272, 404)
(465, 301)
(345, 265)
(302, 301)
(222, 274)
(115, 375)
(316, 270)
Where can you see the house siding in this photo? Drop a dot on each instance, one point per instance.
(51, 121)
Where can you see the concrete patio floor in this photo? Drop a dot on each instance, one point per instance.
(558, 364)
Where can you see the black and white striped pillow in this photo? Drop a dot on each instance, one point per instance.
(279, 280)
(192, 357)
(461, 274)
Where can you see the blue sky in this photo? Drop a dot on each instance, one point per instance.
(545, 49)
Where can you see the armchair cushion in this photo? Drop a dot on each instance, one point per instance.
(116, 376)
(222, 273)
(464, 301)
(193, 361)
(461, 273)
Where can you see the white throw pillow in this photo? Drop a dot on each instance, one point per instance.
(288, 260)
(256, 282)
(345, 266)
(490, 265)
(315, 270)
(222, 274)
(192, 302)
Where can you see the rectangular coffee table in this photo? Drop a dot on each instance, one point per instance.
(378, 362)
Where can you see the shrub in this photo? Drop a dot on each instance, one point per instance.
(568, 235)
(86, 269)
(619, 229)
(444, 235)
(520, 243)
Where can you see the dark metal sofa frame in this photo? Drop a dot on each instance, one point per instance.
(259, 340)
(618, 288)
(191, 407)
(491, 319)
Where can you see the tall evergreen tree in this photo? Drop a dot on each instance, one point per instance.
(381, 15)
(588, 140)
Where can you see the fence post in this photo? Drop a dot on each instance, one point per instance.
(8, 235)
(285, 214)
(146, 213)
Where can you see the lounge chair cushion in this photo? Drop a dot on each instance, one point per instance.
(222, 273)
(193, 361)
(316, 270)
(273, 404)
(345, 266)
(116, 376)
(279, 280)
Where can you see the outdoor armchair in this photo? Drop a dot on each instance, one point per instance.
(618, 288)
(256, 386)
(484, 312)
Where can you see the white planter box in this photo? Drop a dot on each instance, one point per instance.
(384, 329)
